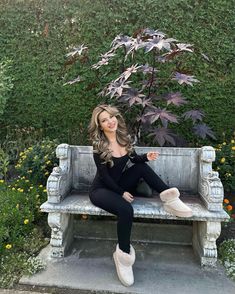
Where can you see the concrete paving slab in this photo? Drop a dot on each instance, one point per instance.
(159, 268)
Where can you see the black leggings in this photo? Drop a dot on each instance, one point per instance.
(116, 204)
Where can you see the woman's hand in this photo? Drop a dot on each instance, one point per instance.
(128, 197)
(152, 155)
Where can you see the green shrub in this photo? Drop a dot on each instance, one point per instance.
(14, 264)
(36, 162)
(225, 163)
(226, 252)
(17, 216)
(5, 84)
(4, 162)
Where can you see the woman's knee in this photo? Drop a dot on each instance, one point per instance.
(126, 211)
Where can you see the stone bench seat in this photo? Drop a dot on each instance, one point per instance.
(79, 203)
(188, 169)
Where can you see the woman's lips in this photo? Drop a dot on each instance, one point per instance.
(112, 126)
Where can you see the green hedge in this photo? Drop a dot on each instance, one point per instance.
(35, 34)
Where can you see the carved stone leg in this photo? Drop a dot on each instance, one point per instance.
(61, 233)
(204, 241)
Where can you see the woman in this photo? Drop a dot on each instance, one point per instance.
(113, 183)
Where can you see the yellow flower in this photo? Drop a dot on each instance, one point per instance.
(31, 188)
(222, 160)
(8, 246)
(227, 175)
(37, 196)
(26, 221)
(48, 162)
(23, 178)
(46, 156)
(30, 148)
(224, 143)
(44, 190)
(21, 153)
(26, 181)
(40, 186)
(29, 171)
(1, 181)
(13, 189)
(21, 190)
(233, 148)
(17, 206)
(232, 141)
(46, 173)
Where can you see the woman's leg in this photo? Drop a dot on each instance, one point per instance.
(170, 196)
(115, 204)
(131, 176)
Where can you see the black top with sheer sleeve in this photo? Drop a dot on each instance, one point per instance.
(108, 177)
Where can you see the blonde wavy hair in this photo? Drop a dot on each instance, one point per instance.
(100, 142)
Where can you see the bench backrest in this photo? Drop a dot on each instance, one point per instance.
(175, 166)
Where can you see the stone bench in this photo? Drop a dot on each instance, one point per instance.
(188, 169)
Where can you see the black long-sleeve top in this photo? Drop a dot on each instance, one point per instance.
(108, 177)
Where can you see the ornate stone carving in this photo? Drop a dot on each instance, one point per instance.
(61, 233)
(205, 235)
(59, 181)
(209, 186)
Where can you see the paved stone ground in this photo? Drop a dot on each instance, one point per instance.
(158, 269)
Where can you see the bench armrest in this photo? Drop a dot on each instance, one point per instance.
(60, 180)
(210, 186)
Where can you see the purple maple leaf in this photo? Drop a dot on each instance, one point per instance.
(162, 135)
(116, 88)
(183, 78)
(202, 130)
(77, 51)
(194, 115)
(78, 79)
(175, 98)
(151, 32)
(132, 96)
(146, 69)
(104, 59)
(163, 114)
(205, 56)
(127, 73)
(184, 47)
(122, 40)
(159, 43)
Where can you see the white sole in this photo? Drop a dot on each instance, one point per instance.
(176, 212)
(118, 273)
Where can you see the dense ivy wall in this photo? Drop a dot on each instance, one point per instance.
(35, 35)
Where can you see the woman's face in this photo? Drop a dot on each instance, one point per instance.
(108, 122)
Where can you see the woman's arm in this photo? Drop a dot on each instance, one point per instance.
(135, 158)
(138, 158)
(104, 175)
